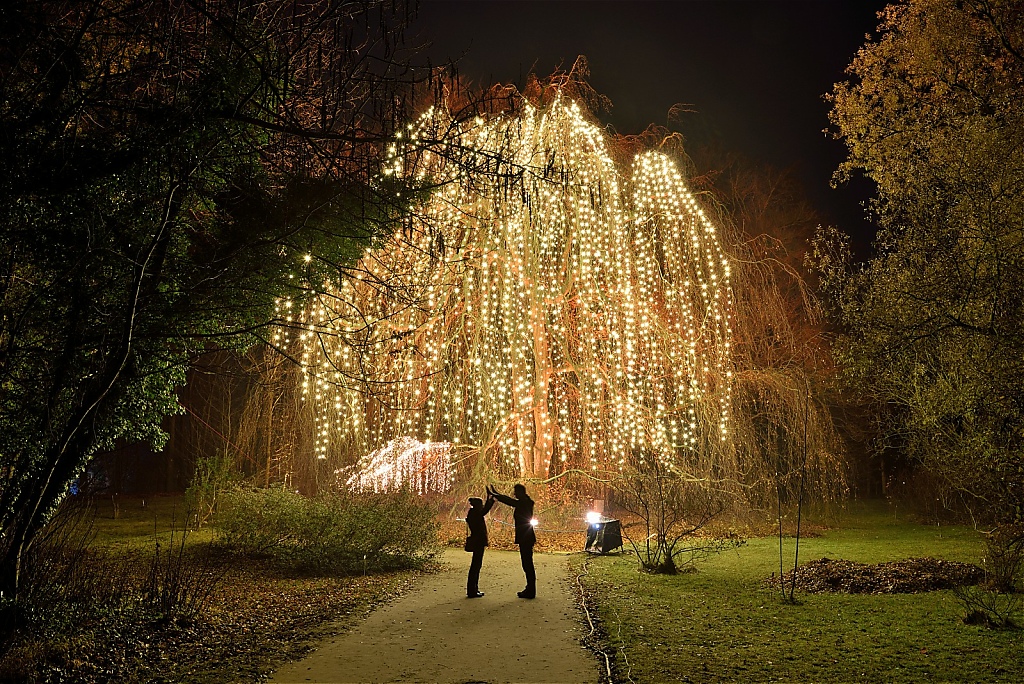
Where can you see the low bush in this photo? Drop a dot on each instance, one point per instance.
(340, 533)
(997, 602)
(180, 582)
(1004, 558)
(988, 607)
(61, 575)
(213, 475)
(66, 577)
(667, 516)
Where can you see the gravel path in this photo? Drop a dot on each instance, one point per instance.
(434, 633)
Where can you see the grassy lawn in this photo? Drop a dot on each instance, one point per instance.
(723, 624)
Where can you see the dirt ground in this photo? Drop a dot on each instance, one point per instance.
(434, 633)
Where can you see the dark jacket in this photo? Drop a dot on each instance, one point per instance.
(522, 514)
(477, 525)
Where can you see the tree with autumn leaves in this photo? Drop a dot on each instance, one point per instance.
(932, 328)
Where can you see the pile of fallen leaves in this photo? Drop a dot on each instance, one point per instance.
(910, 576)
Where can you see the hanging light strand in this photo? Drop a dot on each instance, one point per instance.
(536, 309)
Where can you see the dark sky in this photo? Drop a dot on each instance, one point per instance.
(754, 70)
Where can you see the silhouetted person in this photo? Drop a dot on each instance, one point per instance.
(477, 541)
(522, 515)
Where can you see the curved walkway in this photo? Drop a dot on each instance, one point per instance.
(434, 633)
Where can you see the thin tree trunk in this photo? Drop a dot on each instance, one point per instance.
(542, 427)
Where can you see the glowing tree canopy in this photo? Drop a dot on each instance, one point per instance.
(542, 308)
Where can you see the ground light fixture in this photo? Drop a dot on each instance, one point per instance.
(604, 535)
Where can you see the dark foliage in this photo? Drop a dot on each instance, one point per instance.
(931, 331)
(166, 166)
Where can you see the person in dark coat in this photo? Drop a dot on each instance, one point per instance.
(522, 516)
(476, 541)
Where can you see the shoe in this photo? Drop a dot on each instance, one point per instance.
(526, 594)
(475, 595)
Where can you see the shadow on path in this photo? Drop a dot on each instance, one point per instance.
(434, 633)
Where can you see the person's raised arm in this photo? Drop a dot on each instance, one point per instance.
(507, 500)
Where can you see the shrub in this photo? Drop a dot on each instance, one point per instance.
(667, 515)
(213, 475)
(56, 570)
(1005, 557)
(258, 521)
(997, 602)
(180, 582)
(988, 607)
(343, 533)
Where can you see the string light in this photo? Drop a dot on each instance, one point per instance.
(541, 308)
(403, 463)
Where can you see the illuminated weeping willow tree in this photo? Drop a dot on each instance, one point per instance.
(542, 308)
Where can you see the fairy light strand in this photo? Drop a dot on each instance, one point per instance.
(542, 309)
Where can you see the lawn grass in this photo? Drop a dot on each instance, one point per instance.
(137, 522)
(719, 624)
(723, 623)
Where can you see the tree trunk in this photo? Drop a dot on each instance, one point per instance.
(542, 426)
(33, 507)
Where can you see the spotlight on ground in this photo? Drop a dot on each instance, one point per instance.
(604, 535)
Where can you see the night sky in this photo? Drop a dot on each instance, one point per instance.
(754, 71)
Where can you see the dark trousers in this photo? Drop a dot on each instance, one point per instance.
(526, 556)
(473, 583)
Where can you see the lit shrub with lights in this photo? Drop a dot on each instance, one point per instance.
(341, 533)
